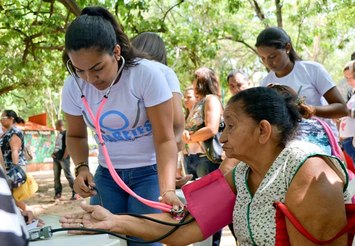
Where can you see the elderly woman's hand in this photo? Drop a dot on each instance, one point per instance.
(94, 216)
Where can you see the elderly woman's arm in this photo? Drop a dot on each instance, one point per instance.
(315, 197)
(101, 218)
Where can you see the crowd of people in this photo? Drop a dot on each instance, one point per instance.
(274, 141)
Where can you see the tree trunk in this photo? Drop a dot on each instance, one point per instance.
(279, 13)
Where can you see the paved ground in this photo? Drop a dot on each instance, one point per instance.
(43, 203)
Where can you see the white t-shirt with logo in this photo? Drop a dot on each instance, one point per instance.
(125, 127)
(308, 78)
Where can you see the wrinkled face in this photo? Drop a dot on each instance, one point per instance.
(237, 83)
(96, 68)
(350, 78)
(240, 133)
(274, 59)
(189, 99)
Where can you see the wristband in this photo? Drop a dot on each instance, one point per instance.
(352, 112)
(78, 166)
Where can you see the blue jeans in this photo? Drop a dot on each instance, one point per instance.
(199, 165)
(58, 165)
(349, 148)
(142, 180)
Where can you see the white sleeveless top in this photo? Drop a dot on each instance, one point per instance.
(254, 216)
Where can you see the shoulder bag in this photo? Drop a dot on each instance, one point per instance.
(212, 146)
(26, 190)
(16, 176)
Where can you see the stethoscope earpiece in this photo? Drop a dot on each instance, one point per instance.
(72, 73)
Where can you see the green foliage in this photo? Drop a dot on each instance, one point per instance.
(234, 6)
(218, 34)
(33, 36)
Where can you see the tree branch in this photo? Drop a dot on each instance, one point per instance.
(258, 10)
(23, 98)
(242, 42)
(7, 89)
(166, 13)
(72, 6)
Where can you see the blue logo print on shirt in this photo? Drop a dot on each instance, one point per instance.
(121, 133)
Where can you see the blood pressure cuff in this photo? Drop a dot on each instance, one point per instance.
(210, 200)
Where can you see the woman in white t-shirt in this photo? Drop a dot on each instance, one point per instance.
(347, 124)
(153, 46)
(136, 121)
(308, 78)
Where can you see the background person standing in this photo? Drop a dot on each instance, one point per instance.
(308, 78)
(12, 144)
(237, 81)
(61, 160)
(135, 123)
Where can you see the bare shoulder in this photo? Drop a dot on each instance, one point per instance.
(319, 168)
(315, 196)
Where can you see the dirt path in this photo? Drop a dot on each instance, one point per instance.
(44, 203)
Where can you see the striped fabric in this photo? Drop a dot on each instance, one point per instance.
(12, 226)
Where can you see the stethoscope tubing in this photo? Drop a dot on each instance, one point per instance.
(158, 205)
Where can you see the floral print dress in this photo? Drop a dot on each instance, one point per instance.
(6, 148)
(254, 216)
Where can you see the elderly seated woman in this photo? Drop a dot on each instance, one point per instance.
(260, 124)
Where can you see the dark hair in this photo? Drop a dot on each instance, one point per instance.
(97, 28)
(206, 82)
(59, 122)
(287, 91)
(234, 72)
(262, 103)
(352, 57)
(276, 37)
(12, 114)
(151, 44)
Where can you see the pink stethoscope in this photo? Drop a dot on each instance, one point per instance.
(158, 205)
